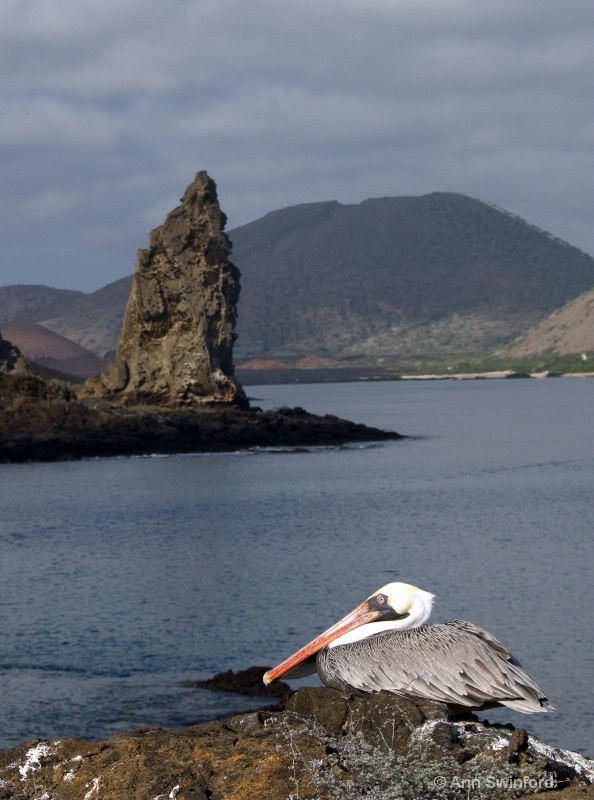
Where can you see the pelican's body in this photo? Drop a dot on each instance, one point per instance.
(385, 645)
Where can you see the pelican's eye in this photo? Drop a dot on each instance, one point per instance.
(381, 599)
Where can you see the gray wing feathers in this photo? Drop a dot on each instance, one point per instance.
(455, 663)
(493, 643)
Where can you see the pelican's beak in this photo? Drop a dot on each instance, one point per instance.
(360, 616)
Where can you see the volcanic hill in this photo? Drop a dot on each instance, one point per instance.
(421, 276)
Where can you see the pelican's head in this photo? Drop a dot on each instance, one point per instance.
(396, 606)
(411, 605)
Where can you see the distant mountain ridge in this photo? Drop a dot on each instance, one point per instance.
(431, 275)
(90, 321)
(31, 302)
(94, 320)
(410, 274)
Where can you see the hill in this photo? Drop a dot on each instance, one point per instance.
(31, 303)
(568, 330)
(49, 349)
(432, 274)
(93, 320)
(410, 277)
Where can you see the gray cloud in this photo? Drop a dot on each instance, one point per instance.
(109, 109)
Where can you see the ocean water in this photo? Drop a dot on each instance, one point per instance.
(122, 579)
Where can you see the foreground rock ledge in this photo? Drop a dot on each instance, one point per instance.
(324, 744)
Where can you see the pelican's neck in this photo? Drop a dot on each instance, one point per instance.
(419, 611)
(363, 631)
(409, 600)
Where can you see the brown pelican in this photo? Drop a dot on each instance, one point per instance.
(384, 645)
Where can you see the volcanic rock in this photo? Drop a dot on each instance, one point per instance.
(31, 430)
(11, 359)
(325, 744)
(177, 337)
(246, 681)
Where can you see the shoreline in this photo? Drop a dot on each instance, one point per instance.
(495, 375)
(291, 375)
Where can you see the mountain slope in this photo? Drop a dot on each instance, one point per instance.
(51, 350)
(431, 275)
(30, 303)
(93, 320)
(568, 330)
(395, 274)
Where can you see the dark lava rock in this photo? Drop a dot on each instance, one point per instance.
(41, 422)
(247, 682)
(12, 360)
(324, 745)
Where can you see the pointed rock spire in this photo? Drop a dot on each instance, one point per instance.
(176, 345)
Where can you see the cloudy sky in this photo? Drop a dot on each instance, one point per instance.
(108, 108)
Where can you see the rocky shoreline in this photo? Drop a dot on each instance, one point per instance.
(320, 744)
(37, 424)
(263, 377)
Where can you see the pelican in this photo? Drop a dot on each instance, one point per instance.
(384, 644)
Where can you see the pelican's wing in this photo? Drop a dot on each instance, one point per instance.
(493, 643)
(455, 663)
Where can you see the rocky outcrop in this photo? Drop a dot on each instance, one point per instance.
(247, 682)
(12, 360)
(34, 428)
(323, 744)
(177, 337)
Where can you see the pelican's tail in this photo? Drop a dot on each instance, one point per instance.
(529, 706)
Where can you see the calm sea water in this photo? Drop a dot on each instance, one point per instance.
(122, 578)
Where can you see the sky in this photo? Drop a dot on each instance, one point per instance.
(108, 109)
